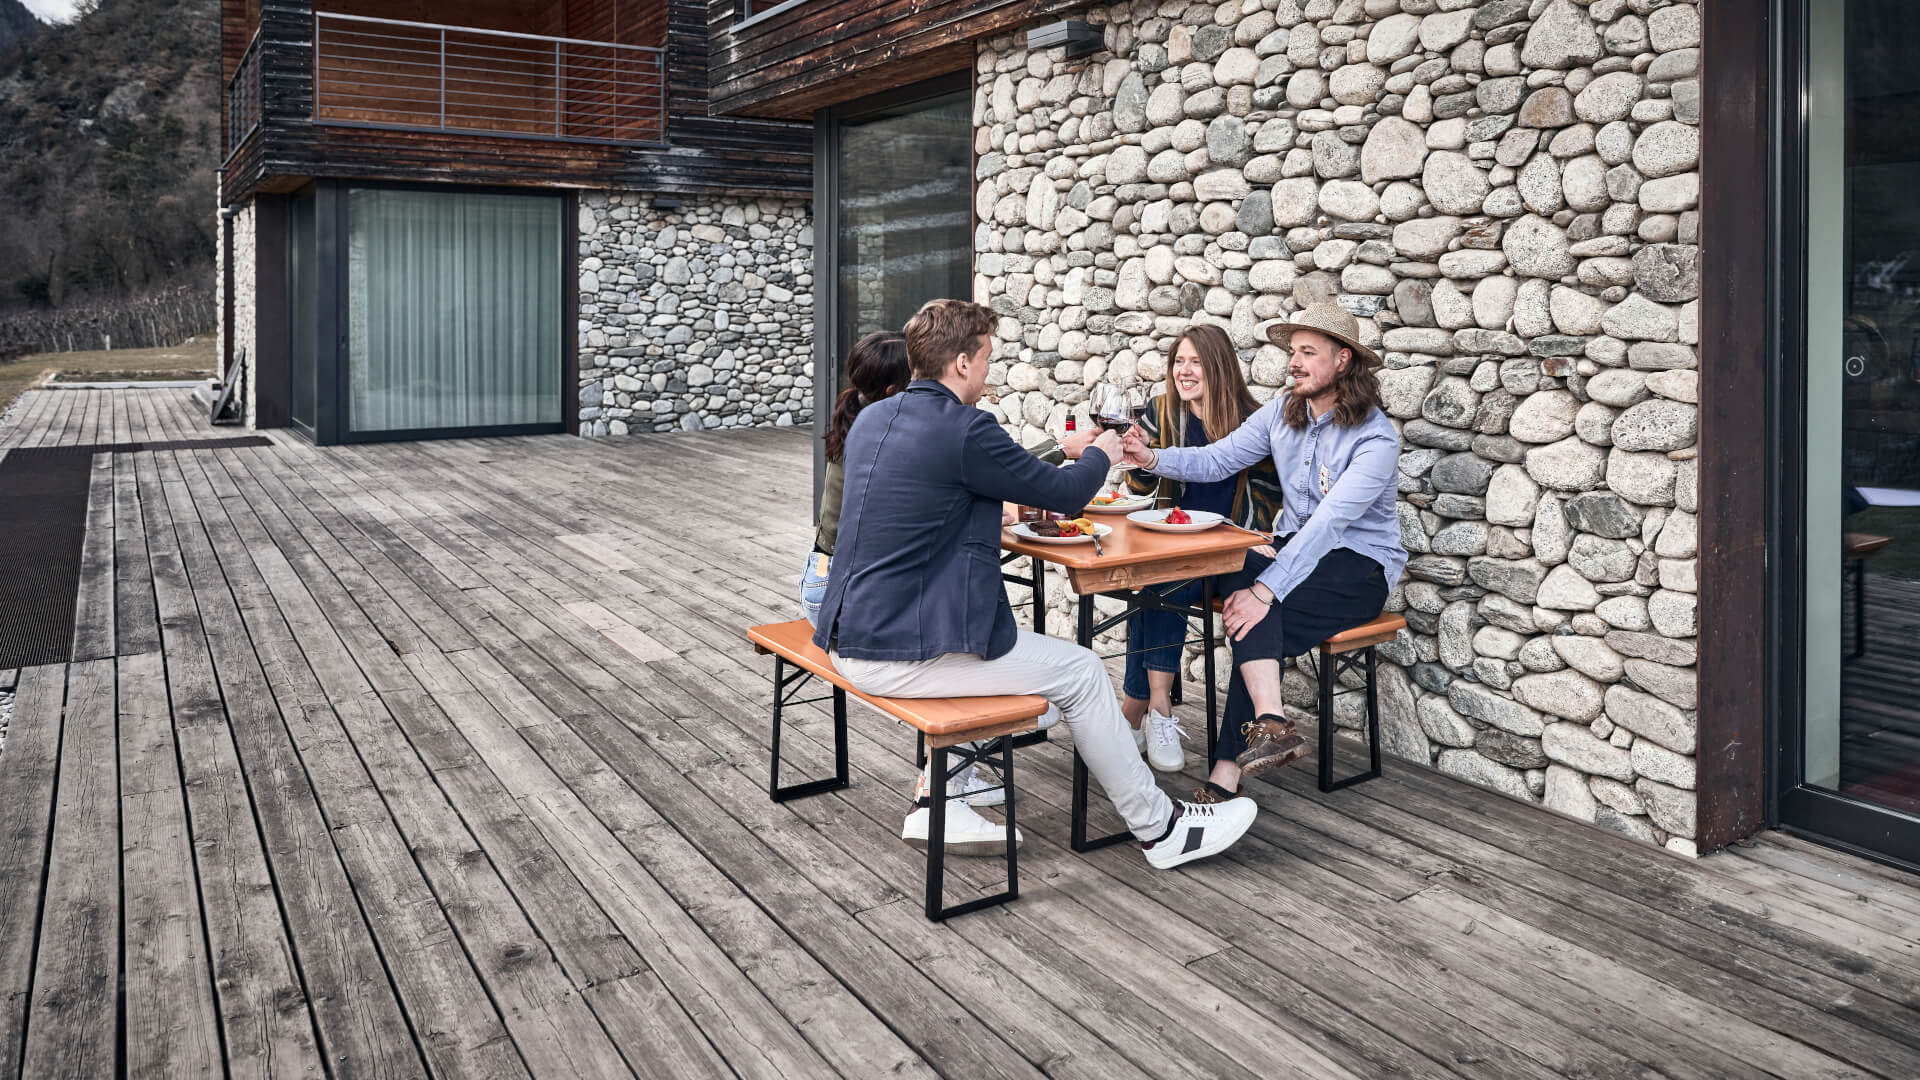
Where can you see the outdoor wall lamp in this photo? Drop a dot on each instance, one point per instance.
(1080, 38)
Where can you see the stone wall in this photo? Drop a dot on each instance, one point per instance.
(694, 318)
(243, 224)
(1505, 192)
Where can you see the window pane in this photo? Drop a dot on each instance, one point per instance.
(453, 309)
(1863, 402)
(905, 211)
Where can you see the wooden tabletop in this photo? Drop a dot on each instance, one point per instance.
(1134, 556)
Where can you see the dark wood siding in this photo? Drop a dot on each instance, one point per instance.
(703, 153)
(824, 52)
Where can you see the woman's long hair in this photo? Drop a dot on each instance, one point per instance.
(1356, 392)
(876, 370)
(1228, 402)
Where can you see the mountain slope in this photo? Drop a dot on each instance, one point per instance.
(107, 158)
(17, 25)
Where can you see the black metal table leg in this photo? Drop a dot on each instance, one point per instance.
(1080, 775)
(1207, 643)
(1039, 594)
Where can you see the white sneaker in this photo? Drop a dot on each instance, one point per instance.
(967, 784)
(1201, 830)
(1140, 738)
(976, 789)
(967, 832)
(1163, 736)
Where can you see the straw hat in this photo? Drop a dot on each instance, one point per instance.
(1327, 318)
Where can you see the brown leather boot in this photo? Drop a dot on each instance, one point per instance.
(1272, 741)
(1210, 792)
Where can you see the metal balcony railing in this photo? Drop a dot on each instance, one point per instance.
(243, 99)
(431, 77)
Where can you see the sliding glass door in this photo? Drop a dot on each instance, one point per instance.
(893, 184)
(1855, 773)
(454, 312)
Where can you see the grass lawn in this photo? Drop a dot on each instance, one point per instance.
(195, 359)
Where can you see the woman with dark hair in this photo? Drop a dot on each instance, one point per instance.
(1337, 540)
(1205, 400)
(876, 370)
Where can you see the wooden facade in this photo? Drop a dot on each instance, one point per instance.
(796, 57)
(305, 133)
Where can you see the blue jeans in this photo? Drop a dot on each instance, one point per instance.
(813, 586)
(1155, 641)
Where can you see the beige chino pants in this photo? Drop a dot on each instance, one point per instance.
(1064, 673)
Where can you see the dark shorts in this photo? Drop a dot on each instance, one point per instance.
(1343, 591)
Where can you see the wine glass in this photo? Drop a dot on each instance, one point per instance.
(1117, 409)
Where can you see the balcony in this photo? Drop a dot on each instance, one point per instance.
(243, 100)
(419, 76)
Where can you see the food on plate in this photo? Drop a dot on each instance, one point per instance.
(1086, 525)
(1054, 528)
(1110, 497)
(1177, 516)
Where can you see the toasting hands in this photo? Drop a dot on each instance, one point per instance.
(1109, 444)
(1075, 443)
(1135, 447)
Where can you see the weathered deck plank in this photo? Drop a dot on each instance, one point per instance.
(74, 1014)
(29, 771)
(171, 1029)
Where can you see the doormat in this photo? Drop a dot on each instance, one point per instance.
(43, 503)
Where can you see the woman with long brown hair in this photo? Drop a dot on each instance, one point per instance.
(876, 370)
(1205, 400)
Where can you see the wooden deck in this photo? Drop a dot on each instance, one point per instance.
(449, 758)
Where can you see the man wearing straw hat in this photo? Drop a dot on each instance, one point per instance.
(1337, 541)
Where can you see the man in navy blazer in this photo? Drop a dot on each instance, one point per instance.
(916, 606)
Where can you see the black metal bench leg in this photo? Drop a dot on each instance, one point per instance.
(781, 689)
(937, 836)
(1328, 678)
(1326, 719)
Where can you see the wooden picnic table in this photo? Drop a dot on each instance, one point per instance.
(1141, 567)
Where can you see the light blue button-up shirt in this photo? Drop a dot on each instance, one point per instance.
(1340, 484)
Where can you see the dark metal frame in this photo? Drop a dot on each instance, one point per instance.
(1860, 828)
(332, 422)
(948, 762)
(827, 354)
(1332, 666)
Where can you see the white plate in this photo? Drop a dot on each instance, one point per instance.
(1125, 506)
(1023, 532)
(1157, 520)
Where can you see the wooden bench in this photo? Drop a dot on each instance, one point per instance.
(1339, 654)
(957, 732)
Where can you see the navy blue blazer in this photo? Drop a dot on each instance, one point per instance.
(916, 567)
